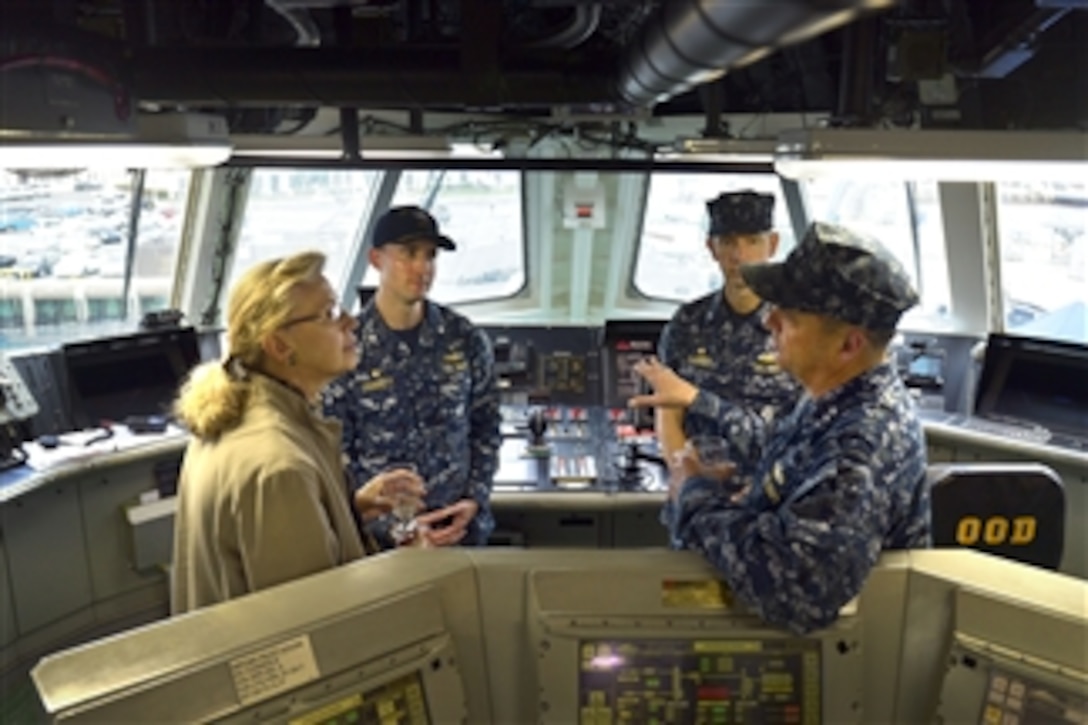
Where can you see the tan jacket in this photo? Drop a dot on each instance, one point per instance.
(264, 504)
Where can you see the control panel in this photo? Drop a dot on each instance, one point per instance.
(577, 447)
(548, 365)
(565, 423)
(17, 405)
(16, 401)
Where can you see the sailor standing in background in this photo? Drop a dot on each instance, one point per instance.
(423, 392)
(797, 525)
(718, 342)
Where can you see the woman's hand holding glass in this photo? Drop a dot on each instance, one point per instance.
(398, 490)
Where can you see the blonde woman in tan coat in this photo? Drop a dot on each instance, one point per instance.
(262, 498)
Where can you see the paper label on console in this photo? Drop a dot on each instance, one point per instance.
(272, 670)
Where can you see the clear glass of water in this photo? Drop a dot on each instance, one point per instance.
(404, 506)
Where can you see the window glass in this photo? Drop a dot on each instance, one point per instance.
(481, 212)
(672, 262)
(293, 210)
(905, 218)
(63, 240)
(1043, 241)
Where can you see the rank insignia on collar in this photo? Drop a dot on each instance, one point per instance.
(767, 362)
(369, 386)
(700, 359)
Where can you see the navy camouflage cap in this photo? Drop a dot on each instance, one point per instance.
(838, 273)
(740, 212)
(405, 223)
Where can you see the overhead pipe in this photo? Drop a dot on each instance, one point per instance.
(1019, 46)
(583, 24)
(309, 35)
(690, 42)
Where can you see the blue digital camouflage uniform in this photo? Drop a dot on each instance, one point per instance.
(726, 355)
(722, 352)
(437, 407)
(834, 482)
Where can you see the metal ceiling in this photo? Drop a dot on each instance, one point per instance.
(1016, 62)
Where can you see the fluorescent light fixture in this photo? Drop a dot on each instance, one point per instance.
(87, 154)
(330, 148)
(938, 155)
(162, 141)
(721, 150)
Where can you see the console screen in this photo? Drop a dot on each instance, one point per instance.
(1041, 381)
(625, 354)
(1015, 700)
(700, 681)
(110, 379)
(400, 702)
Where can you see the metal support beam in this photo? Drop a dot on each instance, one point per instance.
(138, 178)
(858, 74)
(330, 76)
(349, 133)
(213, 221)
(971, 264)
(383, 197)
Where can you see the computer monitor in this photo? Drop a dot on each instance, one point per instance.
(1034, 380)
(111, 379)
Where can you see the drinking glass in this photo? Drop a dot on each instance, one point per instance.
(404, 507)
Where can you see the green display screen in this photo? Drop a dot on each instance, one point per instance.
(699, 681)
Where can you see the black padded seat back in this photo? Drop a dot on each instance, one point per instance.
(1014, 510)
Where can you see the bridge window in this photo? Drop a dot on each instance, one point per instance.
(293, 210)
(672, 261)
(63, 244)
(481, 212)
(1043, 240)
(905, 218)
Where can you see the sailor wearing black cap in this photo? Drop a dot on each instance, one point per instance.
(424, 390)
(839, 479)
(718, 342)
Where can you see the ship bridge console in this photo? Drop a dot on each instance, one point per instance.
(595, 637)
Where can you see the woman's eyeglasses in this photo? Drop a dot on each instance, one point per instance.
(330, 316)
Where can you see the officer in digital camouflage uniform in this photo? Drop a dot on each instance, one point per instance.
(816, 496)
(424, 389)
(718, 342)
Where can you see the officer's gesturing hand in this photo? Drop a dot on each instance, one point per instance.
(670, 390)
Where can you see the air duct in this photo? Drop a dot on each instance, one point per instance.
(309, 35)
(583, 23)
(691, 42)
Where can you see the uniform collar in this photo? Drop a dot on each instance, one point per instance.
(719, 309)
(372, 327)
(867, 385)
